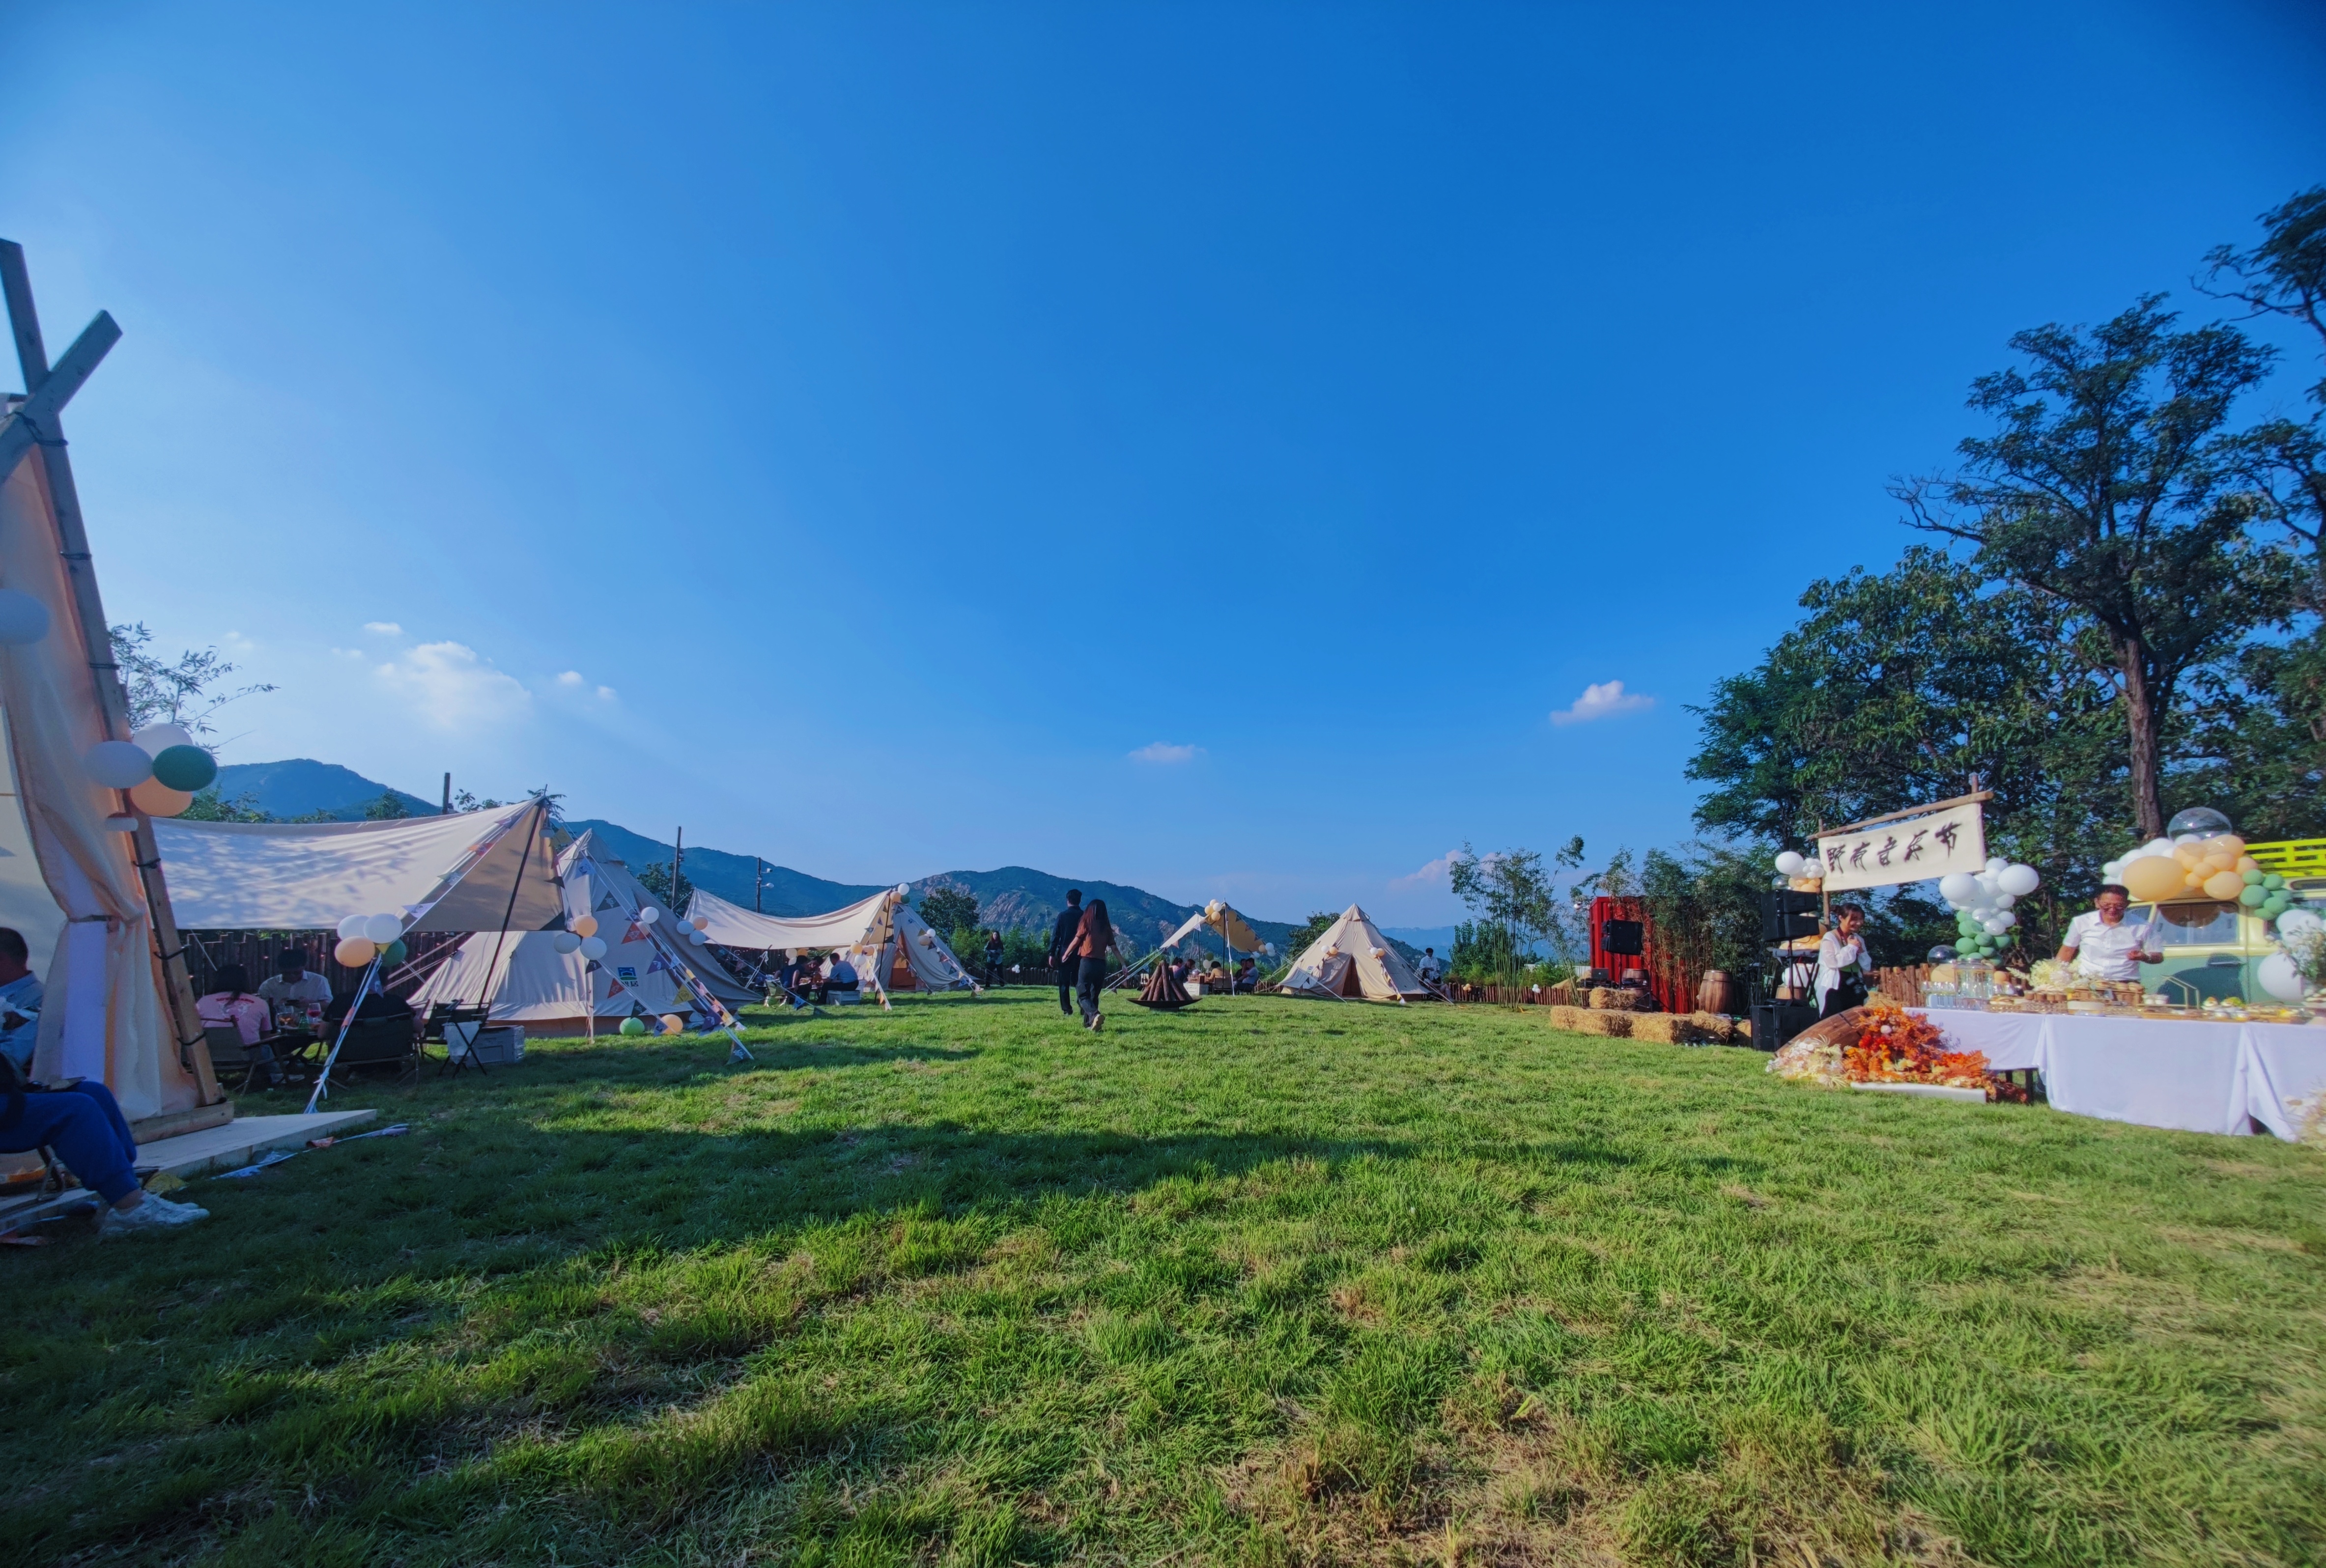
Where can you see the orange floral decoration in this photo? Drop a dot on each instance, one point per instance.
(1894, 1046)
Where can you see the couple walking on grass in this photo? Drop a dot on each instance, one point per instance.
(1079, 944)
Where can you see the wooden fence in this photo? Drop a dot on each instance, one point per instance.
(256, 951)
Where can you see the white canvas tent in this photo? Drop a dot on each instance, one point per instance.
(91, 901)
(525, 980)
(1353, 959)
(486, 870)
(874, 933)
(1220, 917)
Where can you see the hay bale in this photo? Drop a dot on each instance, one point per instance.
(1682, 1028)
(1577, 1019)
(1614, 999)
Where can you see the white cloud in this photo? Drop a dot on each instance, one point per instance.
(1434, 873)
(571, 678)
(384, 628)
(1601, 700)
(606, 694)
(452, 688)
(1165, 754)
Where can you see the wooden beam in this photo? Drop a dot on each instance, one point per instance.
(1909, 811)
(48, 400)
(16, 285)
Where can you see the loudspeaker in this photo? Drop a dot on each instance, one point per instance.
(1774, 1022)
(1623, 938)
(1787, 914)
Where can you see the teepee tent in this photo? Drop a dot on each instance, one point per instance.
(1353, 959)
(525, 979)
(82, 884)
(875, 933)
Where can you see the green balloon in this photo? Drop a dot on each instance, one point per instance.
(185, 767)
(2255, 877)
(394, 952)
(2273, 881)
(2276, 905)
(2252, 896)
(633, 1025)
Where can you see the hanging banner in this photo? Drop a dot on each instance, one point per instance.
(1909, 850)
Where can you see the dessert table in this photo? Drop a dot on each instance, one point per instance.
(2194, 1077)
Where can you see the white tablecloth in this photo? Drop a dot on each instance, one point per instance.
(2216, 1078)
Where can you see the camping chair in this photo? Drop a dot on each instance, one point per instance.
(433, 1032)
(227, 1053)
(378, 1042)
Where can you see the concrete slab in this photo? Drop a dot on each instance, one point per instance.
(243, 1140)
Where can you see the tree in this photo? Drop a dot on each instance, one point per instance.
(211, 806)
(184, 692)
(387, 809)
(1510, 890)
(2286, 274)
(656, 879)
(949, 909)
(2103, 488)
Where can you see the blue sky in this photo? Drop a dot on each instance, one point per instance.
(1202, 447)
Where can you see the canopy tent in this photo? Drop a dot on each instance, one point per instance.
(81, 882)
(1219, 917)
(1353, 959)
(874, 933)
(486, 870)
(525, 980)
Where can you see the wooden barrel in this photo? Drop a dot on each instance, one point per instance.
(1717, 994)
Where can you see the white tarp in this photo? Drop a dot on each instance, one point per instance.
(871, 932)
(439, 873)
(1353, 959)
(104, 1016)
(528, 980)
(1216, 916)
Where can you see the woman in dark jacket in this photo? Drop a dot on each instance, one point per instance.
(1093, 939)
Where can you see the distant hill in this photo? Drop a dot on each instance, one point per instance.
(300, 787)
(782, 890)
(1014, 897)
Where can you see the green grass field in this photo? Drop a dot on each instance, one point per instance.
(1267, 1281)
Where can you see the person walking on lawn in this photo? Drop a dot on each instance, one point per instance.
(1062, 937)
(1094, 940)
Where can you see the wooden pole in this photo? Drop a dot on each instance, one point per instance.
(759, 879)
(677, 857)
(447, 809)
(96, 642)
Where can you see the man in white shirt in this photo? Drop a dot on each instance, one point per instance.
(294, 988)
(1429, 971)
(2103, 947)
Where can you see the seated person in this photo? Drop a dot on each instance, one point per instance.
(294, 989)
(232, 1002)
(840, 975)
(1429, 969)
(20, 1000)
(83, 1124)
(1247, 975)
(372, 1002)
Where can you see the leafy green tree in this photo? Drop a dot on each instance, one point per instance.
(949, 909)
(387, 809)
(2105, 488)
(184, 692)
(210, 805)
(1510, 889)
(656, 879)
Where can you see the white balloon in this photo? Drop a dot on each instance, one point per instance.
(156, 738)
(2300, 922)
(2021, 880)
(1790, 863)
(699, 938)
(23, 618)
(351, 927)
(2112, 872)
(382, 929)
(118, 764)
(2279, 977)
(565, 942)
(1996, 863)
(593, 947)
(2006, 920)
(1957, 889)
(648, 915)
(1994, 927)
(2154, 847)
(2004, 901)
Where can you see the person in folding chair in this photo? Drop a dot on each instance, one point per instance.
(83, 1124)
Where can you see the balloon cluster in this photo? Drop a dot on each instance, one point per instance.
(2200, 858)
(159, 765)
(701, 935)
(1791, 864)
(366, 937)
(1982, 902)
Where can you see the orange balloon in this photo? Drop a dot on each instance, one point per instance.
(2187, 854)
(583, 925)
(2228, 845)
(353, 952)
(672, 1023)
(2151, 877)
(156, 799)
(2224, 884)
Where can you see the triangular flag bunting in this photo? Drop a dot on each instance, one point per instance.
(613, 987)
(633, 934)
(606, 903)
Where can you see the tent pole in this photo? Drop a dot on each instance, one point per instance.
(97, 638)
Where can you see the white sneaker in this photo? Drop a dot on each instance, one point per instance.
(154, 1214)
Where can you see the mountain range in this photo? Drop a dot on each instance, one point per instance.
(1013, 897)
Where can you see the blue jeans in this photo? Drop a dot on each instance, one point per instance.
(83, 1125)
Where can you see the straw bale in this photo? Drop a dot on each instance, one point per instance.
(1614, 999)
